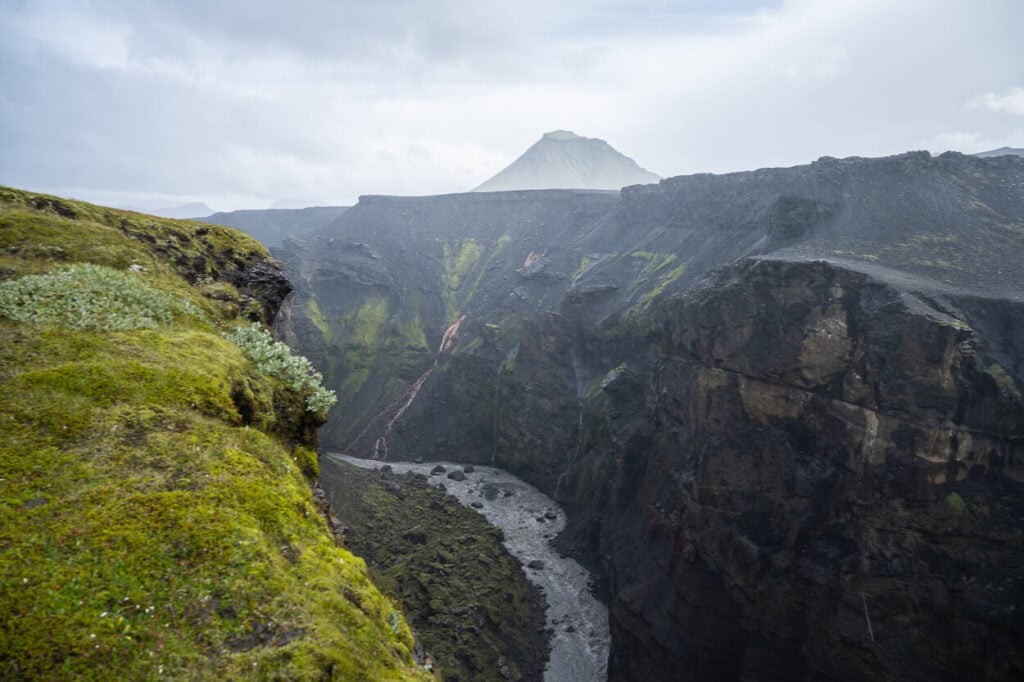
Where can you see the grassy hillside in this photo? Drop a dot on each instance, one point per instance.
(155, 513)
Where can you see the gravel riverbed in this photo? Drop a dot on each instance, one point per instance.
(530, 520)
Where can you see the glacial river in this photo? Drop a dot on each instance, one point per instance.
(530, 520)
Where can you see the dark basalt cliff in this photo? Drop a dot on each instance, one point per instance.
(820, 450)
(783, 407)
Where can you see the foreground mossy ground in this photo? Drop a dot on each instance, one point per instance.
(466, 596)
(155, 521)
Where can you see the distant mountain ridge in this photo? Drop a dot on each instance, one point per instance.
(562, 159)
(158, 208)
(1002, 151)
(273, 225)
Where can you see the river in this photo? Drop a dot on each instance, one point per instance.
(530, 520)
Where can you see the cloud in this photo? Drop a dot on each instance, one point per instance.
(326, 100)
(1011, 102)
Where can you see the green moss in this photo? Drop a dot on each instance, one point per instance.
(1004, 381)
(155, 516)
(655, 261)
(459, 259)
(582, 262)
(368, 320)
(955, 504)
(467, 598)
(664, 282)
(317, 318)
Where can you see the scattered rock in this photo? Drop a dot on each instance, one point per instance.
(550, 515)
(386, 468)
(469, 468)
(536, 565)
(393, 487)
(477, 505)
(438, 470)
(457, 475)
(489, 491)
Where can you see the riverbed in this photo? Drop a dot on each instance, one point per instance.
(530, 520)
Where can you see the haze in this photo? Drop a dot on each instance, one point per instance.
(248, 105)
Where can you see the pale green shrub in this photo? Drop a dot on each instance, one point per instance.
(90, 297)
(275, 359)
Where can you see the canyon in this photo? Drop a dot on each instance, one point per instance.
(782, 408)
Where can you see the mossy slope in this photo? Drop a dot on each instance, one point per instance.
(154, 520)
(469, 600)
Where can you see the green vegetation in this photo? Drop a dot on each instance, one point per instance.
(94, 297)
(155, 512)
(956, 504)
(459, 260)
(663, 283)
(1003, 380)
(655, 261)
(467, 597)
(315, 316)
(275, 359)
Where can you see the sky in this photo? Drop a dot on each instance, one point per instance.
(315, 102)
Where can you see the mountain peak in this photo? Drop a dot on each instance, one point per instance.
(561, 159)
(562, 135)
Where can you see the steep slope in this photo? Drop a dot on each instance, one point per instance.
(763, 396)
(273, 226)
(376, 290)
(825, 483)
(156, 518)
(564, 160)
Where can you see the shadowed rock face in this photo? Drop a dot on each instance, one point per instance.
(777, 404)
(817, 444)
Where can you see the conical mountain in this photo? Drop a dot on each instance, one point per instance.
(564, 160)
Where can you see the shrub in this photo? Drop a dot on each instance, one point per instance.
(275, 359)
(89, 297)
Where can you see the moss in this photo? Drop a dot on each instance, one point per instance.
(156, 519)
(459, 260)
(664, 282)
(655, 261)
(317, 318)
(368, 320)
(1004, 381)
(467, 598)
(307, 461)
(955, 504)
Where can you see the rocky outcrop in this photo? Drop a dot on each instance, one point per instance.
(827, 485)
(777, 404)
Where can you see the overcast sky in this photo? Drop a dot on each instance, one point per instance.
(241, 104)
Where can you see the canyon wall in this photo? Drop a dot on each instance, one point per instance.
(779, 405)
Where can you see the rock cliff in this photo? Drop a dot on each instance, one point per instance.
(826, 484)
(779, 405)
